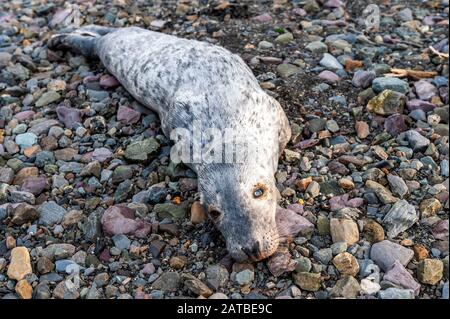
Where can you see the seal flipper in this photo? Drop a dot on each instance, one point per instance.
(81, 41)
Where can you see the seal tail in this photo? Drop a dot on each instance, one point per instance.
(81, 41)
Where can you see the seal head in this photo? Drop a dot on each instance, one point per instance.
(243, 208)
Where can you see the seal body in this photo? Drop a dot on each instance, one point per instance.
(196, 86)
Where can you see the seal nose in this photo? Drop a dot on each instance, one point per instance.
(253, 252)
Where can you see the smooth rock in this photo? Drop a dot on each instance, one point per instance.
(26, 140)
(390, 83)
(127, 115)
(344, 230)
(330, 62)
(291, 224)
(20, 264)
(385, 253)
(363, 79)
(425, 90)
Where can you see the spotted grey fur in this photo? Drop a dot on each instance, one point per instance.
(186, 81)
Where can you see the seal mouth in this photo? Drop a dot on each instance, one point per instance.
(255, 253)
(258, 256)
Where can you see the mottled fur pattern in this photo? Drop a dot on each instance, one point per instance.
(186, 81)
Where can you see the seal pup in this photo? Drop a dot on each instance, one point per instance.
(194, 86)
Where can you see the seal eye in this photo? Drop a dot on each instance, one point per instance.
(258, 192)
(215, 214)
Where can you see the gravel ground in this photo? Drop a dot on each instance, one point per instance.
(91, 206)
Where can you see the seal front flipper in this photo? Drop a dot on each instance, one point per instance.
(81, 41)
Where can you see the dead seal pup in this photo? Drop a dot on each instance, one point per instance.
(194, 86)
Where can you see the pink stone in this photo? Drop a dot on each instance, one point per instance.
(363, 79)
(398, 275)
(263, 18)
(143, 229)
(114, 223)
(125, 211)
(342, 201)
(338, 202)
(87, 157)
(389, 39)
(108, 81)
(296, 208)
(440, 231)
(127, 115)
(69, 116)
(328, 76)
(148, 269)
(289, 224)
(333, 4)
(336, 23)
(105, 256)
(395, 124)
(34, 185)
(412, 185)
(24, 115)
(419, 104)
(299, 12)
(307, 143)
(428, 20)
(355, 202)
(425, 90)
(291, 180)
(101, 154)
(90, 78)
(281, 262)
